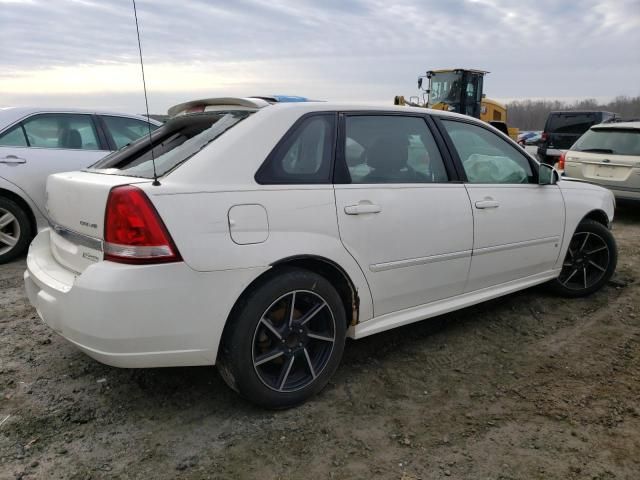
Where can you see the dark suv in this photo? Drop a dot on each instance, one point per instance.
(562, 129)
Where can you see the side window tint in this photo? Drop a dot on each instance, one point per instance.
(125, 130)
(62, 130)
(304, 156)
(13, 138)
(392, 149)
(486, 157)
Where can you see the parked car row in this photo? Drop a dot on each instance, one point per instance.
(258, 237)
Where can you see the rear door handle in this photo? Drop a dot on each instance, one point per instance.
(487, 204)
(12, 160)
(362, 208)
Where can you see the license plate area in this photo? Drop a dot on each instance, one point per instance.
(605, 171)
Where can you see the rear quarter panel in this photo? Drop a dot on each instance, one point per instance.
(301, 221)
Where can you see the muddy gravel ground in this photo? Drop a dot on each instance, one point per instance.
(530, 386)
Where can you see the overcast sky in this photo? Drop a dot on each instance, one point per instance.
(85, 52)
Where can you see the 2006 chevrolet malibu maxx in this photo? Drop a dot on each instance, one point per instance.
(276, 231)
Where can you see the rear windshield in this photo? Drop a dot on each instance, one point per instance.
(173, 144)
(570, 122)
(609, 140)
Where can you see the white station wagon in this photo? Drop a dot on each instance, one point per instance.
(273, 233)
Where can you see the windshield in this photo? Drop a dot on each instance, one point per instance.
(609, 140)
(173, 144)
(445, 87)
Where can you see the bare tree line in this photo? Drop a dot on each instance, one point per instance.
(532, 114)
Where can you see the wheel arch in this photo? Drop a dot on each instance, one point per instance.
(314, 263)
(597, 215)
(333, 272)
(14, 197)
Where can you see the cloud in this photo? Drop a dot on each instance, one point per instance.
(344, 50)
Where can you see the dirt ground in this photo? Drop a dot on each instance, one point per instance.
(530, 386)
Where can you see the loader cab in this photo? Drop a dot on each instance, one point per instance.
(457, 90)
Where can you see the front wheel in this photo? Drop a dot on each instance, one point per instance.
(285, 339)
(590, 261)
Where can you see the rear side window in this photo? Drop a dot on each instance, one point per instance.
(61, 130)
(13, 138)
(173, 144)
(487, 157)
(391, 149)
(609, 140)
(125, 130)
(304, 155)
(575, 123)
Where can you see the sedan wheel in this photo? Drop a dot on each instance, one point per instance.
(293, 341)
(590, 261)
(15, 230)
(285, 338)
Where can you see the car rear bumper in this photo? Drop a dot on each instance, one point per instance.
(134, 315)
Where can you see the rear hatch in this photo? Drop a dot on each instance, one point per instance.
(564, 128)
(607, 155)
(76, 203)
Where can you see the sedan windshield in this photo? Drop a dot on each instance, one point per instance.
(173, 144)
(609, 140)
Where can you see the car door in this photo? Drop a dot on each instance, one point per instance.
(48, 143)
(400, 215)
(518, 223)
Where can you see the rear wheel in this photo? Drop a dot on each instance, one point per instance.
(590, 261)
(15, 230)
(285, 339)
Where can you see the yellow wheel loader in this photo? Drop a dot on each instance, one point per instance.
(460, 90)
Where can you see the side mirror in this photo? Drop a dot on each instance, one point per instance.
(547, 175)
(419, 82)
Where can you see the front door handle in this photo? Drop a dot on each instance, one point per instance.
(487, 204)
(12, 160)
(362, 208)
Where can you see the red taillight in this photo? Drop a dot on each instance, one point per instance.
(544, 137)
(133, 230)
(561, 161)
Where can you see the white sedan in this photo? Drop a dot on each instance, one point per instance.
(273, 233)
(36, 142)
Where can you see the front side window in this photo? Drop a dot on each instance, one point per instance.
(61, 130)
(486, 157)
(304, 156)
(13, 138)
(609, 140)
(391, 149)
(125, 130)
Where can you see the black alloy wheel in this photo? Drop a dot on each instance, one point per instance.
(293, 341)
(284, 338)
(590, 261)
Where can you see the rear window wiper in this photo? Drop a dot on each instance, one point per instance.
(597, 150)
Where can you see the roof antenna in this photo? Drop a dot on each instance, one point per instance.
(146, 102)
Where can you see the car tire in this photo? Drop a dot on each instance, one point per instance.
(15, 230)
(589, 263)
(277, 356)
